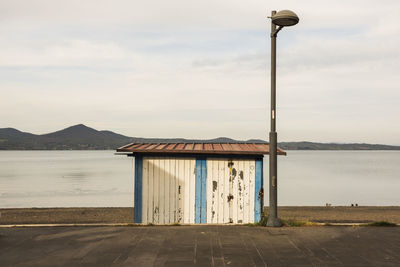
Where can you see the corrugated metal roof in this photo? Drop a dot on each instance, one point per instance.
(202, 148)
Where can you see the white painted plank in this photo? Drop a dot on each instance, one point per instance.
(167, 177)
(235, 191)
(251, 190)
(246, 196)
(157, 190)
(221, 188)
(186, 201)
(180, 189)
(150, 209)
(178, 168)
(240, 186)
(192, 190)
(244, 185)
(155, 186)
(227, 185)
(209, 189)
(177, 182)
(172, 191)
(212, 178)
(182, 185)
(240, 191)
(231, 192)
(162, 197)
(145, 190)
(215, 190)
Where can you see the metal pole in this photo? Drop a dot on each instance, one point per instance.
(273, 174)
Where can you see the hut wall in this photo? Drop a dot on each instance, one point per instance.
(197, 190)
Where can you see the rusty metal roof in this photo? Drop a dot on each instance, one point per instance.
(199, 148)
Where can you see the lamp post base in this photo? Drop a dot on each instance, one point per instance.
(274, 222)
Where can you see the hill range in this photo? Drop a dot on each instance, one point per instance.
(81, 137)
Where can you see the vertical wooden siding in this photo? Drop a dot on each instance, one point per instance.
(259, 190)
(138, 192)
(230, 191)
(168, 191)
(201, 191)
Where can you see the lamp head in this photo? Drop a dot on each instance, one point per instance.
(285, 18)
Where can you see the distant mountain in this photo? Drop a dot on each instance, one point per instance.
(75, 137)
(10, 133)
(81, 137)
(333, 146)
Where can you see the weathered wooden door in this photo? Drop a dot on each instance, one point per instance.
(168, 190)
(231, 186)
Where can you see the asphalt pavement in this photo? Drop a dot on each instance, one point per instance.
(204, 245)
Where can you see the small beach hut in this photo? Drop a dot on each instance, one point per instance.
(198, 182)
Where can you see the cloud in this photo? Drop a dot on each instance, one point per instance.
(170, 68)
(67, 53)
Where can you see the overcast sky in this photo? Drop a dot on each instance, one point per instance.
(200, 69)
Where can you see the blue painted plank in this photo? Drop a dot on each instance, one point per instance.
(203, 216)
(201, 191)
(138, 189)
(135, 202)
(258, 203)
(197, 218)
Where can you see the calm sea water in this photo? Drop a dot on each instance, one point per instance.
(102, 179)
(339, 177)
(65, 179)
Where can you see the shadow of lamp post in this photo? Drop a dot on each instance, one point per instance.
(281, 19)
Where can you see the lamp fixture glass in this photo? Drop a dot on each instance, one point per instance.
(285, 18)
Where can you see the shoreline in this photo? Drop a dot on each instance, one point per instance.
(118, 215)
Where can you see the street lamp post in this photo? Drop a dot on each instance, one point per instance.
(281, 19)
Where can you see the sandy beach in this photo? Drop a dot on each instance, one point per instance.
(125, 215)
(66, 215)
(340, 214)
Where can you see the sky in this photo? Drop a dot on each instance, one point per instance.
(201, 69)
